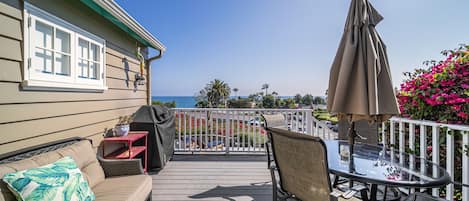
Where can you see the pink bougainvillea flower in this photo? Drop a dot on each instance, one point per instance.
(429, 148)
(439, 93)
(463, 115)
(457, 107)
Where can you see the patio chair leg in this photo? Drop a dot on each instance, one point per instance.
(274, 184)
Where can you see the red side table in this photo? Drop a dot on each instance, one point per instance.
(129, 151)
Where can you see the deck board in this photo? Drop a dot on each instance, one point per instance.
(213, 177)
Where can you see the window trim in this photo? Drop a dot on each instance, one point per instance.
(45, 82)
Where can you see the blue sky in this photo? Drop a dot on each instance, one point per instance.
(289, 44)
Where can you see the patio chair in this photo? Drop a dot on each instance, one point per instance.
(273, 121)
(301, 162)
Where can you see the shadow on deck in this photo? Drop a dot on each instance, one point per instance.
(213, 177)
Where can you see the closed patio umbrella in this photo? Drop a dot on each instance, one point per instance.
(360, 86)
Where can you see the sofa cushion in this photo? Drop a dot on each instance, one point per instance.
(125, 188)
(6, 194)
(61, 180)
(82, 153)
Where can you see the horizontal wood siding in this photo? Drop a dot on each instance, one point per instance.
(10, 70)
(29, 118)
(11, 49)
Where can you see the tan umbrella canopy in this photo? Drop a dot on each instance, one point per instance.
(360, 85)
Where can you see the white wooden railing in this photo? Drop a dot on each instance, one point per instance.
(236, 130)
(402, 134)
(240, 130)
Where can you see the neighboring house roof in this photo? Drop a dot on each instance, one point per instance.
(117, 15)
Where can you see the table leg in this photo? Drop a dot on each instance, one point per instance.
(386, 193)
(373, 192)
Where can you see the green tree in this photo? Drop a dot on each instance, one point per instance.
(215, 94)
(307, 99)
(279, 103)
(318, 100)
(290, 103)
(297, 98)
(265, 86)
(268, 101)
(171, 104)
(240, 103)
(202, 104)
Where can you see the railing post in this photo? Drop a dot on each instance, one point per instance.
(435, 154)
(227, 132)
(309, 123)
(465, 166)
(450, 162)
(178, 113)
(190, 131)
(392, 138)
(412, 148)
(423, 149)
(383, 137)
(401, 142)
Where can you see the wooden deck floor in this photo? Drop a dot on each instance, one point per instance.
(213, 177)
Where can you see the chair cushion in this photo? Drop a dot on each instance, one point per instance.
(125, 188)
(61, 180)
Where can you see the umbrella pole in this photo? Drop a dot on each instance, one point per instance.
(351, 141)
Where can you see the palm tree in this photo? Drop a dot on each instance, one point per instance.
(265, 86)
(217, 92)
(275, 94)
(235, 90)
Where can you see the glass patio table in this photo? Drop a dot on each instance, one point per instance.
(377, 165)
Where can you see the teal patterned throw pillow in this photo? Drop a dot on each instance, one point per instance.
(61, 180)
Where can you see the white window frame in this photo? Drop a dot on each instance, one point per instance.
(50, 82)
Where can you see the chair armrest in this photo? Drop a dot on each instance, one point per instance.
(121, 167)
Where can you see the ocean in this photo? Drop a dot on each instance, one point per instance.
(186, 101)
(181, 101)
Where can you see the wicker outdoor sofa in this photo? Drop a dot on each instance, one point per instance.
(122, 180)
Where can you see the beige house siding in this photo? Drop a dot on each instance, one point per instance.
(30, 118)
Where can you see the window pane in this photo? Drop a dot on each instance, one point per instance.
(82, 68)
(83, 48)
(62, 64)
(43, 60)
(94, 52)
(43, 37)
(62, 41)
(94, 70)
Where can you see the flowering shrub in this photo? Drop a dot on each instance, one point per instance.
(439, 93)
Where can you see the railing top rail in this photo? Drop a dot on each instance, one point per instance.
(431, 123)
(240, 109)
